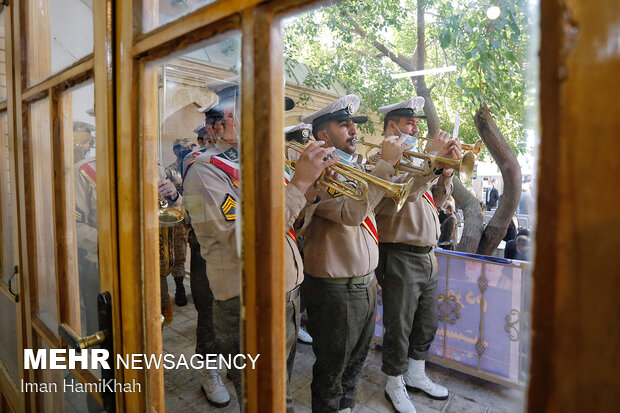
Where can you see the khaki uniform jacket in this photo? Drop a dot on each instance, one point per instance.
(86, 208)
(417, 222)
(335, 243)
(293, 264)
(211, 199)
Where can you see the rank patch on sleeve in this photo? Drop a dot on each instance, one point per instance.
(229, 208)
(333, 192)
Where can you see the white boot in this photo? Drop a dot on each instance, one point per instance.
(303, 336)
(396, 393)
(417, 380)
(214, 389)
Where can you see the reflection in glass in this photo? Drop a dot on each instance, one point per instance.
(54, 41)
(41, 153)
(78, 130)
(2, 55)
(7, 242)
(8, 338)
(158, 12)
(199, 148)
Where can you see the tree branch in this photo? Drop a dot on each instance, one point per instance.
(400, 60)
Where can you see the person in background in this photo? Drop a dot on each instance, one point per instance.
(449, 229)
(511, 250)
(526, 203)
(492, 196)
(511, 231)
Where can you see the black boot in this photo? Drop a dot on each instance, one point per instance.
(179, 297)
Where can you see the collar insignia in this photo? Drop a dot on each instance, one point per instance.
(231, 154)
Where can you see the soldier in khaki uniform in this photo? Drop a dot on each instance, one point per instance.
(407, 269)
(202, 294)
(340, 255)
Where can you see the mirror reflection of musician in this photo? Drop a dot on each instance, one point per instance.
(181, 147)
(85, 192)
(167, 190)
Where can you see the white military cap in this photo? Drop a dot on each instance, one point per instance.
(407, 108)
(300, 132)
(201, 129)
(341, 109)
(208, 107)
(226, 90)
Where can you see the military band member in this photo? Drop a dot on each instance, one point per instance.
(340, 255)
(212, 128)
(169, 192)
(407, 270)
(302, 134)
(181, 147)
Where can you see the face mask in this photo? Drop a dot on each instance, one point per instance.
(345, 158)
(410, 140)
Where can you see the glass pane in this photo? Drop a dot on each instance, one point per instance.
(7, 242)
(158, 12)
(3, 15)
(44, 234)
(78, 131)
(77, 397)
(432, 302)
(48, 385)
(8, 338)
(54, 40)
(200, 98)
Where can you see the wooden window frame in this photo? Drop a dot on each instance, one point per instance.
(83, 70)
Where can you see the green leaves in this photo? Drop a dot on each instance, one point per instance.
(490, 55)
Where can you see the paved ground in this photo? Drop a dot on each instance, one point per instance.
(467, 394)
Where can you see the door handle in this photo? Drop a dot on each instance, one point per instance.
(102, 337)
(15, 271)
(74, 340)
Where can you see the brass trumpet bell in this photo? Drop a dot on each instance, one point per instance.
(464, 166)
(476, 148)
(168, 216)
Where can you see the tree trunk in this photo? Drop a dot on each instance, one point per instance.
(418, 81)
(472, 215)
(506, 159)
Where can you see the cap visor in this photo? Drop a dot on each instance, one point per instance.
(359, 119)
(288, 103)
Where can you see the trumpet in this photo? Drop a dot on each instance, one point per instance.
(354, 183)
(476, 148)
(464, 166)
